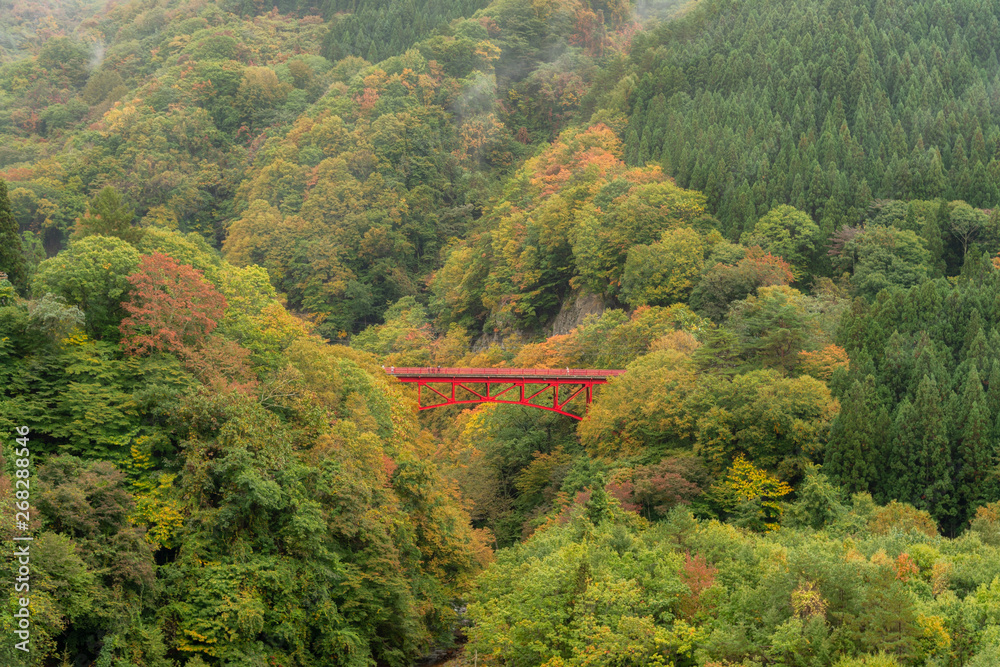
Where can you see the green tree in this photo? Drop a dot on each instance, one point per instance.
(966, 224)
(779, 423)
(933, 474)
(898, 481)
(577, 591)
(773, 326)
(11, 257)
(663, 273)
(101, 570)
(92, 274)
(857, 438)
(108, 215)
(888, 257)
(619, 425)
(976, 483)
(787, 232)
(723, 283)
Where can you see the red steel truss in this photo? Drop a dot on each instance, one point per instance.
(534, 387)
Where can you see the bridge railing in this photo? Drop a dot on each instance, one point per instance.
(502, 372)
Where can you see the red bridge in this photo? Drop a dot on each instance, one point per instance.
(542, 388)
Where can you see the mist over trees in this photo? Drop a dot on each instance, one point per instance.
(219, 220)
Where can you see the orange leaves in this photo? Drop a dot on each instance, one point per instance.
(905, 567)
(903, 517)
(773, 270)
(17, 174)
(481, 139)
(822, 363)
(554, 352)
(941, 576)
(595, 152)
(366, 100)
(589, 32)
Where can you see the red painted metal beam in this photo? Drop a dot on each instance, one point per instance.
(579, 381)
(497, 374)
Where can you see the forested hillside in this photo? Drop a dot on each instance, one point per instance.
(219, 220)
(821, 105)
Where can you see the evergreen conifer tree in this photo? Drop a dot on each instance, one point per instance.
(858, 438)
(899, 481)
(934, 488)
(993, 390)
(977, 459)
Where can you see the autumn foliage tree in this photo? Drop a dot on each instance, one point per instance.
(172, 308)
(654, 489)
(751, 495)
(724, 283)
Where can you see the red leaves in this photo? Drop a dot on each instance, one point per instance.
(367, 99)
(172, 307)
(766, 269)
(654, 489)
(589, 32)
(388, 468)
(698, 576)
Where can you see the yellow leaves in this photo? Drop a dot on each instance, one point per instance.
(807, 601)
(650, 398)
(156, 506)
(941, 576)
(933, 633)
(76, 338)
(160, 512)
(854, 556)
(821, 364)
(376, 80)
(480, 423)
(487, 52)
(120, 117)
(904, 517)
(745, 482)
(179, 42)
(539, 473)
(195, 642)
(665, 272)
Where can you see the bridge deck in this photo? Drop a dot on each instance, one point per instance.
(500, 374)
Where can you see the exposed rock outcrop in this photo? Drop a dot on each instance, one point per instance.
(575, 310)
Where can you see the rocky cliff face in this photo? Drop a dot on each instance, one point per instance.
(575, 310)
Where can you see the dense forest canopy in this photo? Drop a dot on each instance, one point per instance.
(821, 105)
(218, 221)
